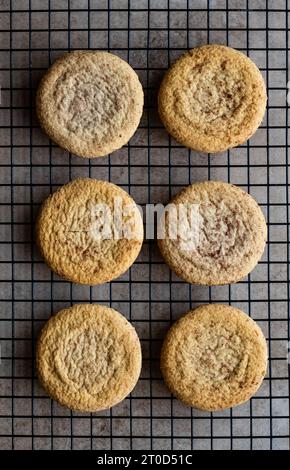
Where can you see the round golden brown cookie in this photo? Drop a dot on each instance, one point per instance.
(88, 357)
(220, 233)
(90, 102)
(214, 357)
(89, 231)
(213, 98)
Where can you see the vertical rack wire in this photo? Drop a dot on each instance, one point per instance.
(248, 189)
(12, 229)
(32, 218)
(287, 199)
(268, 245)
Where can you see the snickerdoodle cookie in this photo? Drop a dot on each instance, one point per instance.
(212, 233)
(88, 357)
(90, 102)
(213, 98)
(89, 231)
(214, 357)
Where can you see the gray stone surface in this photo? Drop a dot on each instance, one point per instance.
(153, 167)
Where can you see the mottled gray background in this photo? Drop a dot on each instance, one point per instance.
(152, 168)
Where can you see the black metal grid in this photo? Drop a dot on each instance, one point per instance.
(152, 167)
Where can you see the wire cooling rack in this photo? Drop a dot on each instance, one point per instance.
(152, 167)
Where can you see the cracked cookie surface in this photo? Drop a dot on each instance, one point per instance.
(214, 357)
(213, 98)
(88, 357)
(231, 234)
(76, 231)
(90, 103)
